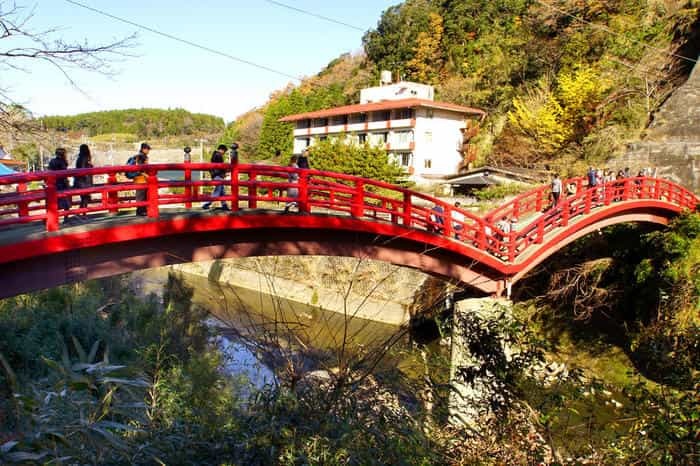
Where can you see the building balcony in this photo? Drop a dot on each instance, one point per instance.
(399, 145)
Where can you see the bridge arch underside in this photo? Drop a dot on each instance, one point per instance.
(77, 264)
(658, 215)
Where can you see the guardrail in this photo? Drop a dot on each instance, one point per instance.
(34, 197)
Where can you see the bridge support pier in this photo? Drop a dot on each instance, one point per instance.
(478, 351)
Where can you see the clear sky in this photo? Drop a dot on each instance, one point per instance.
(167, 74)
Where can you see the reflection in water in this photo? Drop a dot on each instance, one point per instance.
(256, 327)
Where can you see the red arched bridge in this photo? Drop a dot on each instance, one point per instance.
(336, 214)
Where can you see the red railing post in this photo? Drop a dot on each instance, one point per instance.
(626, 192)
(51, 203)
(304, 205)
(22, 206)
(608, 189)
(358, 200)
(188, 184)
(482, 241)
(253, 190)
(657, 189)
(516, 210)
(112, 196)
(152, 183)
(565, 212)
(539, 201)
(407, 209)
(235, 185)
(539, 237)
(447, 221)
(511, 246)
(589, 200)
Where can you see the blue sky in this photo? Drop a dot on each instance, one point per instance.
(168, 74)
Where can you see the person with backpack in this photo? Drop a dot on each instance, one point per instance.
(84, 160)
(140, 177)
(59, 163)
(218, 174)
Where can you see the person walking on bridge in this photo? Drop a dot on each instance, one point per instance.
(60, 163)
(556, 189)
(141, 177)
(218, 174)
(303, 159)
(84, 160)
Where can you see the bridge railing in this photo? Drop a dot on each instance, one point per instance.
(571, 207)
(34, 197)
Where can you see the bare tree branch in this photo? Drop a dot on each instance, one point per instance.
(21, 47)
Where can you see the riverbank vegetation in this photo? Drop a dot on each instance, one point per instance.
(606, 371)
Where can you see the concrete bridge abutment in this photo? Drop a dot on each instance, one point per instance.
(480, 349)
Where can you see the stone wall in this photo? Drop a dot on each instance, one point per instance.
(366, 289)
(672, 143)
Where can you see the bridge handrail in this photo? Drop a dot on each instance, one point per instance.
(359, 197)
(349, 193)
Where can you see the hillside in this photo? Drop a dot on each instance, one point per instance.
(566, 82)
(144, 123)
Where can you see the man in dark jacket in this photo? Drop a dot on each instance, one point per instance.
(303, 159)
(218, 174)
(58, 163)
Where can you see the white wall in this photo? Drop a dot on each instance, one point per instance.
(443, 150)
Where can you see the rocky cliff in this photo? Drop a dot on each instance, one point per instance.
(672, 144)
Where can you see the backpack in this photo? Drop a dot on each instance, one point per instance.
(131, 161)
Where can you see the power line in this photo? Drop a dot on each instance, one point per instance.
(315, 15)
(185, 41)
(610, 31)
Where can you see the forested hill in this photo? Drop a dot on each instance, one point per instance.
(569, 81)
(142, 122)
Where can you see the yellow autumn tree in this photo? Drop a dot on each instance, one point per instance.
(427, 63)
(540, 117)
(580, 92)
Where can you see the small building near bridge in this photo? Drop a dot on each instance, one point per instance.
(484, 177)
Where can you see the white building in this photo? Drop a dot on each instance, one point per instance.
(423, 135)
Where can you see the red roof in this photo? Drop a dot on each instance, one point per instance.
(384, 105)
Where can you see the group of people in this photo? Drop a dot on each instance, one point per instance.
(60, 162)
(84, 160)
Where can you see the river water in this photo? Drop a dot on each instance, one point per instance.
(258, 332)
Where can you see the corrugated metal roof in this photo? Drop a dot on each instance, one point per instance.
(384, 105)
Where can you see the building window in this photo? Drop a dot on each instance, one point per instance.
(404, 158)
(402, 138)
(358, 118)
(339, 120)
(381, 116)
(303, 124)
(323, 138)
(378, 139)
(319, 122)
(428, 137)
(427, 163)
(362, 138)
(403, 114)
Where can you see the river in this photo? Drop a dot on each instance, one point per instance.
(258, 332)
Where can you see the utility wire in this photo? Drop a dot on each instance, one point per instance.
(315, 15)
(610, 31)
(185, 41)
